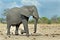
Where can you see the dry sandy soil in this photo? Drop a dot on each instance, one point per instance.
(44, 32)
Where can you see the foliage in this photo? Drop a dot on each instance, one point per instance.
(2, 20)
(54, 19)
(49, 22)
(31, 21)
(45, 20)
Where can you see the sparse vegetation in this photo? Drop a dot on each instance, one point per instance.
(43, 20)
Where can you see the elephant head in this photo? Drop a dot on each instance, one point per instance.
(36, 17)
(31, 11)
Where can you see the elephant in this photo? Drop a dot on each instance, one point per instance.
(17, 15)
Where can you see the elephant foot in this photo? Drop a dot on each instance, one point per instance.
(27, 35)
(23, 31)
(16, 34)
(34, 32)
(8, 33)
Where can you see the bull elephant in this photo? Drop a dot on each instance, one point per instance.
(16, 16)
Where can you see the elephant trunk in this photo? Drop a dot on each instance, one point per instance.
(36, 17)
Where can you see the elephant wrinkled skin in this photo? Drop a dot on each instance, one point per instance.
(15, 16)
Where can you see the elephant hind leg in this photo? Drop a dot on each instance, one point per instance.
(8, 29)
(16, 31)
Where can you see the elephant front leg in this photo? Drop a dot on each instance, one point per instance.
(8, 29)
(16, 31)
(23, 31)
(26, 30)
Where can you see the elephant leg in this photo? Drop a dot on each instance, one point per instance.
(16, 31)
(23, 31)
(25, 23)
(24, 27)
(8, 29)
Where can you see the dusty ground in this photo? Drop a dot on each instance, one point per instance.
(44, 32)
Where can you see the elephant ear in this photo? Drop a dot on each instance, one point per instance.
(26, 11)
(35, 12)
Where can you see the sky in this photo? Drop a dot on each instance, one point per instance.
(46, 8)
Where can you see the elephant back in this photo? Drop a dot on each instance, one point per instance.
(13, 10)
(25, 11)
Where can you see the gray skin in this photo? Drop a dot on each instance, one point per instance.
(16, 16)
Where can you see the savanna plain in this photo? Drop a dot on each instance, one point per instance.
(44, 32)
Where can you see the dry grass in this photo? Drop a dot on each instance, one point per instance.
(44, 32)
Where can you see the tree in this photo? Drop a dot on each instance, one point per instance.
(31, 21)
(4, 12)
(58, 18)
(2, 20)
(44, 20)
(54, 19)
(49, 21)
